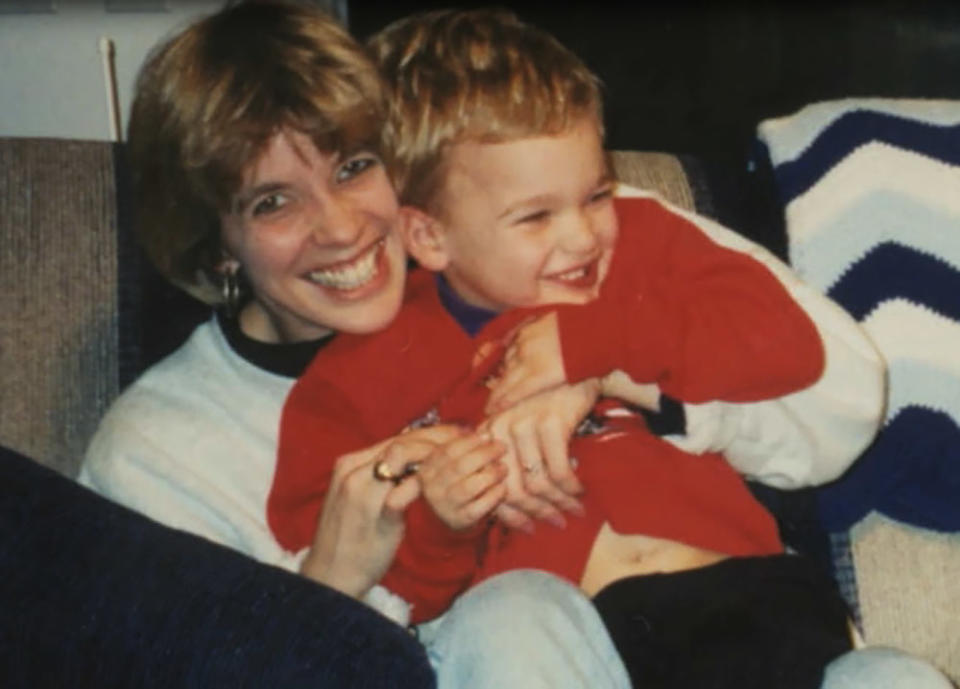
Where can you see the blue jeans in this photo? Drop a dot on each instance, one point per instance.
(526, 629)
(530, 629)
(882, 668)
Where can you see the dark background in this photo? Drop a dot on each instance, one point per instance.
(696, 77)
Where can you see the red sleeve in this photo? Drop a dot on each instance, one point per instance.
(317, 427)
(702, 321)
(434, 563)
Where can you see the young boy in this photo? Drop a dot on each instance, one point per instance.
(497, 142)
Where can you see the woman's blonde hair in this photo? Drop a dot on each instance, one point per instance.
(479, 75)
(210, 98)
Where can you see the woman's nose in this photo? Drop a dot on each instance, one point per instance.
(337, 222)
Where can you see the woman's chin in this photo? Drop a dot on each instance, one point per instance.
(370, 314)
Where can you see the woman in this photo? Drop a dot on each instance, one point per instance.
(253, 139)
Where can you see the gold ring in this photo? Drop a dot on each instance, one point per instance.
(382, 472)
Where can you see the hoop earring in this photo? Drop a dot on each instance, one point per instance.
(230, 291)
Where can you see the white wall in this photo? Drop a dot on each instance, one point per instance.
(51, 78)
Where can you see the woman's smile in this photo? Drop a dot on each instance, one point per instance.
(317, 238)
(352, 275)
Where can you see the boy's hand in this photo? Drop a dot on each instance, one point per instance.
(533, 363)
(463, 481)
(620, 385)
(540, 481)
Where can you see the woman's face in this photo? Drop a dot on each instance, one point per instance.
(316, 236)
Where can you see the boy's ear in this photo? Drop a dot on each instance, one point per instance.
(424, 238)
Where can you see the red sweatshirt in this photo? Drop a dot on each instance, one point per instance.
(702, 321)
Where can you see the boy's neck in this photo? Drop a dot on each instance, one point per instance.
(471, 318)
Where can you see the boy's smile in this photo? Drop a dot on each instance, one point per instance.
(528, 221)
(582, 277)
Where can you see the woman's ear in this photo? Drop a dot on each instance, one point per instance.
(424, 238)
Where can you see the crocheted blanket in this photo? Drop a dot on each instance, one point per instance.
(871, 190)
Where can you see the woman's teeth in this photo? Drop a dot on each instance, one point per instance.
(352, 275)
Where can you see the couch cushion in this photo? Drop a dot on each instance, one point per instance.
(94, 595)
(58, 295)
(678, 179)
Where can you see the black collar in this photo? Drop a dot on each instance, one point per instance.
(288, 359)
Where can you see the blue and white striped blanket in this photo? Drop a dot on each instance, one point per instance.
(871, 190)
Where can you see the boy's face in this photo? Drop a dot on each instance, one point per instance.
(317, 238)
(530, 221)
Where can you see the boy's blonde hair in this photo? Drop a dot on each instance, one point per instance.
(210, 98)
(480, 75)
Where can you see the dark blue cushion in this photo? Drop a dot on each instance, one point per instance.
(94, 595)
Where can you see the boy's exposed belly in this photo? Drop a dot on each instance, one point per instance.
(616, 556)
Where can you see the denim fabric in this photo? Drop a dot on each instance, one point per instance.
(532, 630)
(882, 668)
(523, 629)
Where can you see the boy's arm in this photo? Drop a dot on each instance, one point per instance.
(811, 436)
(808, 437)
(701, 321)
(799, 439)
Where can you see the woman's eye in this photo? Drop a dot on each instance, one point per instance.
(268, 204)
(355, 166)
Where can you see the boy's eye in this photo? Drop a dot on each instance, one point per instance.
(268, 204)
(533, 218)
(355, 166)
(601, 195)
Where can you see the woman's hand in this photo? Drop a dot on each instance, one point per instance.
(361, 524)
(540, 481)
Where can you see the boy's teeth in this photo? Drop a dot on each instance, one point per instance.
(573, 274)
(350, 276)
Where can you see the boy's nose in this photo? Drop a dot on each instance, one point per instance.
(579, 234)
